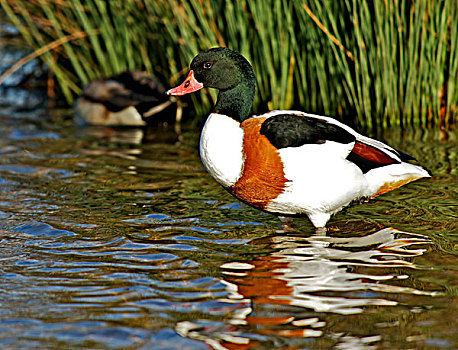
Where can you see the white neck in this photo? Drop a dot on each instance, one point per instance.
(221, 148)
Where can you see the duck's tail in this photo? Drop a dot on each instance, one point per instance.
(390, 177)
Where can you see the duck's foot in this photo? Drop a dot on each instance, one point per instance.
(286, 223)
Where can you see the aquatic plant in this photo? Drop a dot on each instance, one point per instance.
(375, 63)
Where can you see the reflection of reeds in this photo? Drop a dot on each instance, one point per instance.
(386, 62)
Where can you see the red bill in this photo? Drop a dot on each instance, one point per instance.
(189, 85)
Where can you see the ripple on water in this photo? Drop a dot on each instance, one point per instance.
(32, 134)
(40, 229)
(81, 334)
(34, 170)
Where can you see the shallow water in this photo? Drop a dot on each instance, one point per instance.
(119, 239)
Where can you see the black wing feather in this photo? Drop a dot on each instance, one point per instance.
(291, 130)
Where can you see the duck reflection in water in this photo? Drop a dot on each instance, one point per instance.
(320, 275)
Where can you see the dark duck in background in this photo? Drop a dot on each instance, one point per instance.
(125, 99)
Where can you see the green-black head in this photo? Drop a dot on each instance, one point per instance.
(230, 73)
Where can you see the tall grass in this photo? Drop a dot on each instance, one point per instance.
(377, 63)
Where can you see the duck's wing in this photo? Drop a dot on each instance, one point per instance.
(141, 82)
(294, 129)
(120, 98)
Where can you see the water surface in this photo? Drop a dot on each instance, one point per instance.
(119, 239)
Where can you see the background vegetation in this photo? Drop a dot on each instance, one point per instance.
(375, 62)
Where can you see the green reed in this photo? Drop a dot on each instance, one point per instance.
(385, 62)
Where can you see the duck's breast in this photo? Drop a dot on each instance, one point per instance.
(262, 178)
(221, 148)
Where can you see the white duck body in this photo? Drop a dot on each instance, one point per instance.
(286, 162)
(320, 178)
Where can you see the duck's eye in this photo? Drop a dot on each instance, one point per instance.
(208, 65)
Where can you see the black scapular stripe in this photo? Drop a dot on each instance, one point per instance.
(291, 130)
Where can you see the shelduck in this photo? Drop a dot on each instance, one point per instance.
(125, 99)
(287, 162)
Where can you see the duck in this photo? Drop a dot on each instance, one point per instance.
(124, 99)
(287, 162)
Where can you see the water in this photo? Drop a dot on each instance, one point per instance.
(117, 239)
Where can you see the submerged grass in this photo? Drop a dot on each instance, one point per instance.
(385, 62)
